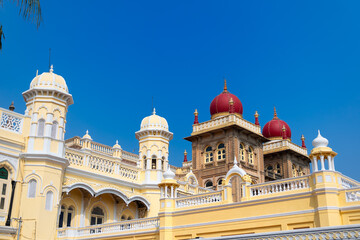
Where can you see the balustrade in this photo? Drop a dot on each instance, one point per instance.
(284, 143)
(11, 122)
(279, 186)
(353, 195)
(197, 200)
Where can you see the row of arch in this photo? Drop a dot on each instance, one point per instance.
(221, 153)
(154, 164)
(41, 129)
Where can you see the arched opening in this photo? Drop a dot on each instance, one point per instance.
(32, 188)
(4, 184)
(145, 162)
(54, 129)
(49, 200)
(209, 157)
(208, 184)
(153, 162)
(162, 163)
(66, 216)
(278, 168)
(235, 183)
(97, 216)
(242, 152)
(221, 152)
(41, 127)
(251, 155)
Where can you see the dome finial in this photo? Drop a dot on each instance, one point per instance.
(275, 113)
(196, 119)
(320, 141)
(154, 112)
(52, 68)
(12, 107)
(225, 86)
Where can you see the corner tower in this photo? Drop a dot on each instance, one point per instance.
(154, 137)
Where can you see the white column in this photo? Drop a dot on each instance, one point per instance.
(330, 163)
(165, 191)
(333, 163)
(322, 162)
(82, 213)
(48, 124)
(61, 128)
(161, 192)
(315, 167)
(172, 191)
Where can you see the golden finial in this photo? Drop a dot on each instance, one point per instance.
(283, 128)
(275, 114)
(196, 112)
(256, 114)
(37, 72)
(231, 101)
(302, 137)
(185, 153)
(225, 86)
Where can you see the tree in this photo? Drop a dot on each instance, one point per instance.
(29, 9)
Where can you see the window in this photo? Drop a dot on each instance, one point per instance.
(208, 155)
(3, 173)
(162, 163)
(221, 153)
(123, 218)
(54, 129)
(4, 188)
(270, 168)
(278, 168)
(294, 170)
(70, 214)
(129, 218)
(153, 162)
(251, 155)
(32, 188)
(41, 127)
(145, 162)
(208, 184)
(97, 216)
(49, 200)
(220, 181)
(61, 216)
(242, 152)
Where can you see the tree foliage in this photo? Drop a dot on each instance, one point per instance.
(30, 10)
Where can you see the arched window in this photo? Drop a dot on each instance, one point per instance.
(129, 218)
(49, 200)
(162, 163)
(221, 152)
(123, 218)
(145, 162)
(208, 184)
(54, 129)
(208, 155)
(251, 155)
(4, 183)
(153, 162)
(278, 168)
(97, 216)
(32, 188)
(70, 214)
(61, 216)
(66, 215)
(41, 127)
(242, 152)
(270, 168)
(220, 181)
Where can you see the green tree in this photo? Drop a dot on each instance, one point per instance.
(29, 9)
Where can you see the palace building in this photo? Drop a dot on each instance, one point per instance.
(240, 181)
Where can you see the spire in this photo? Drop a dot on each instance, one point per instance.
(231, 107)
(185, 156)
(225, 86)
(51, 68)
(37, 72)
(256, 118)
(303, 141)
(275, 114)
(12, 107)
(284, 132)
(196, 120)
(154, 112)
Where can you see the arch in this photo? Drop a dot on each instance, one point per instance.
(59, 110)
(235, 170)
(51, 188)
(220, 181)
(189, 176)
(112, 191)
(97, 215)
(35, 176)
(221, 152)
(41, 127)
(42, 106)
(242, 152)
(9, 167)
(251, 155)
(208, 184)
(140, 199)
(54, 129)
(49, 200)
(84, 186)
(32, 187)
(209, 156)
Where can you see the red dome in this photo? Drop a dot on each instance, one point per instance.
(221, 104)
(273, 129)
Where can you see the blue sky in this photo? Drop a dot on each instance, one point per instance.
(300, 56)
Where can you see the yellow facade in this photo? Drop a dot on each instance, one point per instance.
(54, 188)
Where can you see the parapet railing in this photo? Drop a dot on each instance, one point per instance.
(105, 166)
(130, 225)
(192, 189)
(279, 186)
(284, 144)
(200, 199)
(347, 182)
(11, 121)
(352, 195)
(225, 120)
(103, 149)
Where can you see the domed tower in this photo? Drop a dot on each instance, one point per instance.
(321, 152)
(282, 157)
(227, 135)
(47, 102)
(154, 137)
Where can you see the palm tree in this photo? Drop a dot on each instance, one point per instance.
(29, 9)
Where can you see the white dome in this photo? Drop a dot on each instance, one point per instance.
(154, 122)
(49, 80)
(169, 174)
(320, 141)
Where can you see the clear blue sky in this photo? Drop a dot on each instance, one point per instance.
(301, 56)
